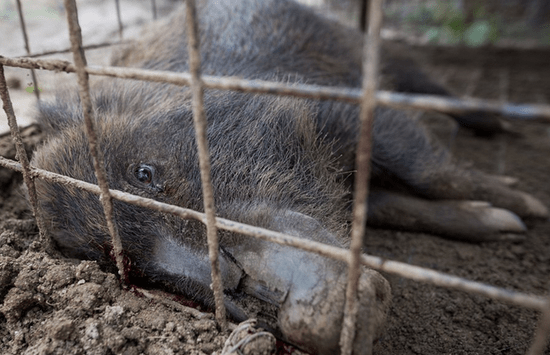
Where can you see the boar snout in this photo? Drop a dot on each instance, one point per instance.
(309, 289)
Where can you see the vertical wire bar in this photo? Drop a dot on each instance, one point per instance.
(97, 156)
(21, 155)
(504, 80)
(27, 47)
(542, 333)
(364, 149)
(119, 19)
(154, 9)
(199, 119)
(363, 6)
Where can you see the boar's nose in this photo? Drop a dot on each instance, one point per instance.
(298, 295)
(309, 290)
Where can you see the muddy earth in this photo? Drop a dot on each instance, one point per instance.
(53, 305)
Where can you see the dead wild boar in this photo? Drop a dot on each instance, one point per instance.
(277, 162)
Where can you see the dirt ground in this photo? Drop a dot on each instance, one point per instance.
(53, 305)
(430, 320)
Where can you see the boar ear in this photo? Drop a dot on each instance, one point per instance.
(55, 116)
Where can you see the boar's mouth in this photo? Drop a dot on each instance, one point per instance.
(297, 295)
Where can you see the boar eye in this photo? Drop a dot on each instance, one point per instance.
(144, 173)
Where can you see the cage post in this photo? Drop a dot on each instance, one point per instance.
(362, 163)
(21, 155)
(97, 156)
(27, 47)
(199, 119)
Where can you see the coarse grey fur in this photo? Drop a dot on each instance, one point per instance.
(277, 162)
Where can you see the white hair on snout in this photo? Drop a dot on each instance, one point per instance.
(184, 261)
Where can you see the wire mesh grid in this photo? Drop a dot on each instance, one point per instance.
(368, 97)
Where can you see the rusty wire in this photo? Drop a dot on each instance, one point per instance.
(97, 156)
(21, 155)
(243, 334)
(27, 47)
(371, 56)
(539, 112)
(67, 50)
(199, 120)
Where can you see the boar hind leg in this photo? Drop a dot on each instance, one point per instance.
(405, 76)
(474, 185)
(402, 151)
(475, 221)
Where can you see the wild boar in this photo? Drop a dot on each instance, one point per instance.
(277, 162)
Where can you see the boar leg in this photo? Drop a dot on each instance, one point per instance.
(403, 152)
(474, 221)
(405, 76)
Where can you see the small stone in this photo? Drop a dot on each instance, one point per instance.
(62, 330)
(91, 331)
(112, 314)
(170, 326)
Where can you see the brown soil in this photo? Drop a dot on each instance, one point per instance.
(430, 320)
(53, 305)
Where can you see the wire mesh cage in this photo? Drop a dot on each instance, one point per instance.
(368, 97)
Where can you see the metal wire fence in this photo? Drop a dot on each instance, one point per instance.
(368, 97)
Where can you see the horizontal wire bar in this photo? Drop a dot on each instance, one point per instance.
(67, 50)
(437, 278)
(386, 98)
(455, 105)
(393, 267)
